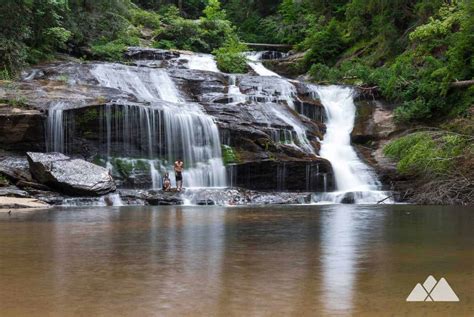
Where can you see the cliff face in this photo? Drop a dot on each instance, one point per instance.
(269, 128)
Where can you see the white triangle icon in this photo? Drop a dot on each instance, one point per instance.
(443, 292)
(433, 291)
(418, 294)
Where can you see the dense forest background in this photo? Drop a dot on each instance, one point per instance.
(414, 54)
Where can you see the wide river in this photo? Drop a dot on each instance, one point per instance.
(215, 261)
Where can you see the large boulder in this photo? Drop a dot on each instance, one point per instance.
(71, 176)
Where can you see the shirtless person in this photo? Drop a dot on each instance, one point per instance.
(178, 169)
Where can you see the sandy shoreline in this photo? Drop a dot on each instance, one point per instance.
(9, 203)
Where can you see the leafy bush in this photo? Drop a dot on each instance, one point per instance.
(213, 11)
(426, 153)
(204, 35)
(184, 34)
(324, 44)
(144, 18)
(230, 57)
(114, 50)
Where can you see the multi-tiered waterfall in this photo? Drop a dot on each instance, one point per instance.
(355, 181)
(183, 107)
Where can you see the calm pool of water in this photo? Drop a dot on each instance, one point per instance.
(213, 261)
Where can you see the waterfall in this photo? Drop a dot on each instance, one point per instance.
(55, 128)
(200, 62)
(353, 177)
(298, 127)
(234, 90)
(168, 130)
(257, 66)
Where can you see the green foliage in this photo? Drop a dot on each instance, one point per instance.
(5, 74)
(213, 11)
(144, 18)
(230, 57)
(426, 153)
(418, 79)
(229, 156)
(184, 34)
(204, 35)
(3, 180)
(112, 51)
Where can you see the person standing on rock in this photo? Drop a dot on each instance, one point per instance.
(178, 170)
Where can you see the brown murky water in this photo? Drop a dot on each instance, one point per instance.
(213, 261)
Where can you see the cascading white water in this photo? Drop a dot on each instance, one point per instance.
(201, 62)
(297, 126)
(351, 174)
(55, 127)
(286, 92)
(234, 91)
(182, 129)
(257, 66)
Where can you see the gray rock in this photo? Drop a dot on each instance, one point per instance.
(149, 53)
(158, 198)
(71, 176)
(12, 191)
(15, 167)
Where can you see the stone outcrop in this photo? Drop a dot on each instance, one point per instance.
(21, 128)
(141, 53)
(71, 176)
(286, 65)
(374, 128)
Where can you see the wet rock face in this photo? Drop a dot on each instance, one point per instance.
(313, 176)
(71, 176)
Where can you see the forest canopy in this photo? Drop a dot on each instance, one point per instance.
(415, 53)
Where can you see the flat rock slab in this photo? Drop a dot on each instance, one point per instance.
(71, 176)
(12, 191)
(17, 202)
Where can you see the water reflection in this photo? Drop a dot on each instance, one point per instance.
(339, 249)
(306, 260)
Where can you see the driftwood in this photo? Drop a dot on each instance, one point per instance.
(462, 83)
(381, 201)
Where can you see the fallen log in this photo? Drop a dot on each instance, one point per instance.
(462, 83)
